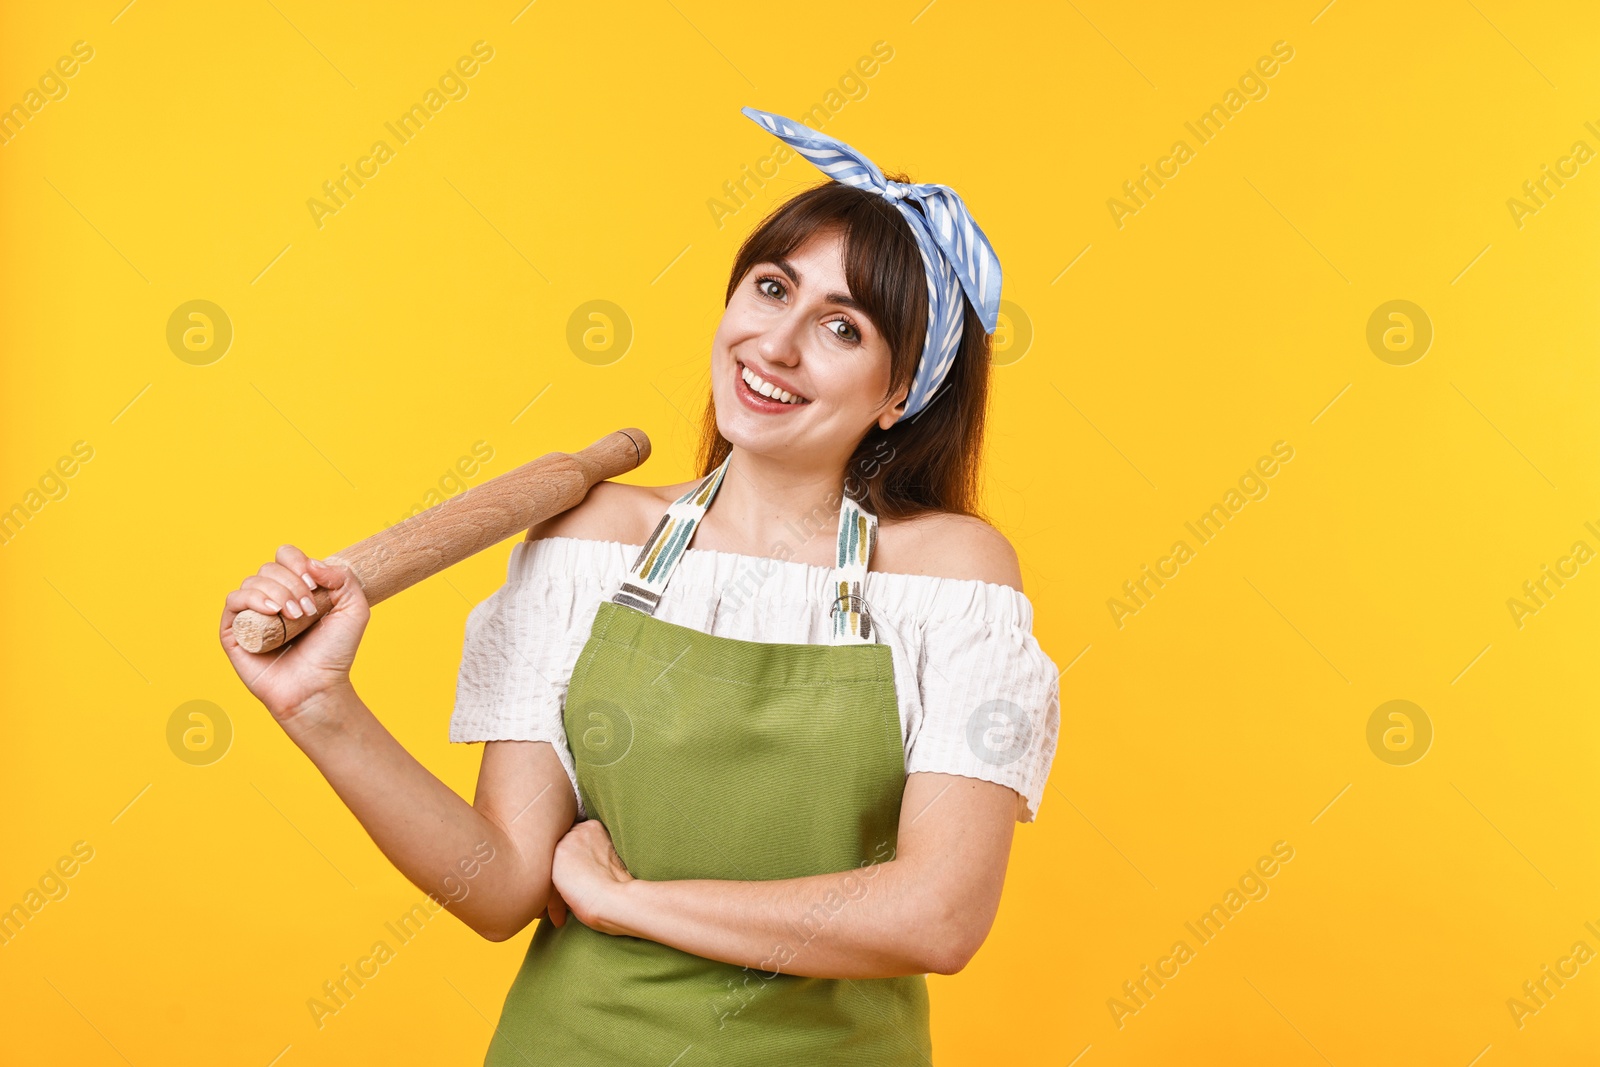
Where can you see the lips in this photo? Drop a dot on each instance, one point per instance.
(768, 379)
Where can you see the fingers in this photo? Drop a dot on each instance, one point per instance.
(327, 575)
(249, 596)
(275, 596)
(297, 586)
(285, 586)
(282, 585)
(236, 601)
(293, 560)
(296, 589)
(254, 599)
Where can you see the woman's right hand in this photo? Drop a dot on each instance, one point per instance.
(318, 661)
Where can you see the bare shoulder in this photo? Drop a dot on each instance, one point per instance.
(611, 511)
(946, 545)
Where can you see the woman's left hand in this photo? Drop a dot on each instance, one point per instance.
(588, 874)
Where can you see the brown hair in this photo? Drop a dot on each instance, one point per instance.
(926, 462)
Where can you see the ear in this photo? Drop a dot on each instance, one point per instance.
(895, 412)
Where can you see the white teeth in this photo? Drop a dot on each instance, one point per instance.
(767, 389)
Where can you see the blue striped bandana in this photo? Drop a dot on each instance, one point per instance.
(955, 253)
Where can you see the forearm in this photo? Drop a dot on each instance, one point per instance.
(928, 908)
(441, 843)
(874, 922)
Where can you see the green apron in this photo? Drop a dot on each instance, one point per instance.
(713, 757)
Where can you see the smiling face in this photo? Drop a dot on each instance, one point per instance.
(793, 324)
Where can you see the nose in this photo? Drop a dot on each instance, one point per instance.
(780, 342)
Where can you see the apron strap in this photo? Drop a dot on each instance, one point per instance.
(647, 578)
(653, 567)
(858, 535)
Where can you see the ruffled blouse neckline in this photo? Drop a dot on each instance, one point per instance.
(921, 598)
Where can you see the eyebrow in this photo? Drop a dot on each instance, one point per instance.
(842, 299)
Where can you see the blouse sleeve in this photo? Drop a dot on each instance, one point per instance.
(991, 698)
(517, 658)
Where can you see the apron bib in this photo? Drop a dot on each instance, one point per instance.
(713, 757)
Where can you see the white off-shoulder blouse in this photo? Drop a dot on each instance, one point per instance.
(977, 695)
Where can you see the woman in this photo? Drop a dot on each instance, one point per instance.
(797, 778)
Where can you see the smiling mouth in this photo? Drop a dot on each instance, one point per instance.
(755, 384)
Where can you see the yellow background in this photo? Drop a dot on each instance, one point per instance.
(1229, 313)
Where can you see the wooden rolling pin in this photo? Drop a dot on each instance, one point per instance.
(447, 533)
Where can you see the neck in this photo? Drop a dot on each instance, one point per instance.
(767, 507)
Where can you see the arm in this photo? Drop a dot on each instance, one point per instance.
(928, 908)
(487, 862)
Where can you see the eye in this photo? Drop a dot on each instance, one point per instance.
(850, 332)
(766, 280)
